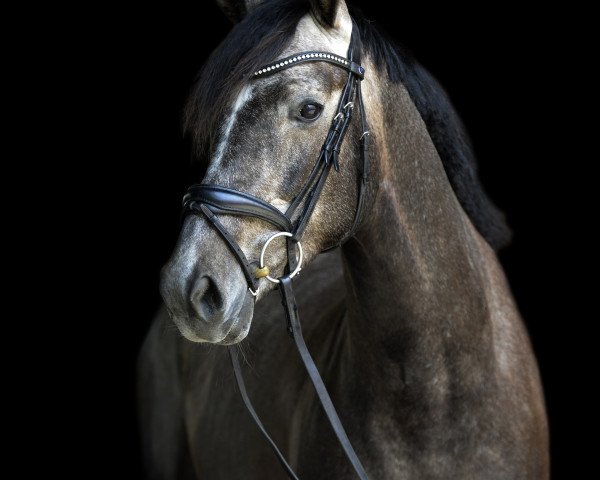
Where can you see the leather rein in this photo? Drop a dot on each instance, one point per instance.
(211, 201)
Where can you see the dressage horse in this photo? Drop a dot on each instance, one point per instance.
(411, 322)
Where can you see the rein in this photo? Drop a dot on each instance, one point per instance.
(213, 200)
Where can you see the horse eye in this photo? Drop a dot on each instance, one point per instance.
(311, 111)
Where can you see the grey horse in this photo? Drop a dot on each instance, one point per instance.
(411, 322)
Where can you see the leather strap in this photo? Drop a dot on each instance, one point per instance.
(237, 371)
(363, 169)
(328, 157)
(293, 320)
(247, 269)
(227, 201)
(294, 327)
(310, 56)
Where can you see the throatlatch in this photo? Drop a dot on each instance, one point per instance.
(213, 200)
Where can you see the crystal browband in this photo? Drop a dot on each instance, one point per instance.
(303, 57)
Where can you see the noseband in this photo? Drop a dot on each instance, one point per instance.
(214, 200)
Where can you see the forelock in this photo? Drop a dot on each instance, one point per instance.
(257, 40)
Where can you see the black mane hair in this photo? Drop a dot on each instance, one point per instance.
(263, 34)
(445, 129)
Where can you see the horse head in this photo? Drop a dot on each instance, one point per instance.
(261, 134)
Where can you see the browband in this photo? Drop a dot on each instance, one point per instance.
(298, 58)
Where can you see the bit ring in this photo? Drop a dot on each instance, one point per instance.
(264, 248)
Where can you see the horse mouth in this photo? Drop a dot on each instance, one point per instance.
(241, 324)
(235, 332)
(239, 330)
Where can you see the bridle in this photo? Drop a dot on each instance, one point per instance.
(214, 200)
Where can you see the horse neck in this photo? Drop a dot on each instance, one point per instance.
(418, 273)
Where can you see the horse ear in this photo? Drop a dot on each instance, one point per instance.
(331, 13)
(237, 9)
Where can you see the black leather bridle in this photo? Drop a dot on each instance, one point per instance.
(214, 200)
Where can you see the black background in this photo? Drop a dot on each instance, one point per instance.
(129, 72)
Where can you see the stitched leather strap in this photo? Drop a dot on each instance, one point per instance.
(310, 56)
(293, 320)
(295, 329)
(227, 201)
(328, 157)
(237, 371)
(247, 270)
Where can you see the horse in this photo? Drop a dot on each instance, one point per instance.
(411, 321)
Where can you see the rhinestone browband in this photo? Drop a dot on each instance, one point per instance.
(303, 57)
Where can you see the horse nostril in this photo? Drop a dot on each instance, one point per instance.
(205, 298)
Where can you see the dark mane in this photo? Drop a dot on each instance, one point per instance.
(261, 37)
(446, 130)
